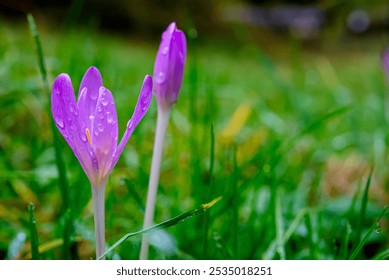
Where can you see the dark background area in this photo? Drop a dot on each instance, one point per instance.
(304, 19)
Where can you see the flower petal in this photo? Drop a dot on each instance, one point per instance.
(169, 66)
(65, 114)
(87, 96)
(141, 108)
(105, 132)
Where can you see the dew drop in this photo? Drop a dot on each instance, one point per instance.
(91, 117)
(59, 122)
(99, 108)
(100, 127)
(160, 78)
(83, 92)
(165, 50)
(104, 101)
(377, 229)
(109, 117)
(96, 132)
(101, 116)
(182, 58)
(93, 95)
(83, 137)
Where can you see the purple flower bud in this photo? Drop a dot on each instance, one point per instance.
(169, 66)
(90, 125)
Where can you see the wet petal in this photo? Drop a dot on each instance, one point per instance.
(65, 114)
(169, 66)
(105, 131)
(141, 108)
(88, 95)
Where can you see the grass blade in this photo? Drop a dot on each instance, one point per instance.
(208, 193)
(235, 206)
(63, 182)
(366, 238)
(364, 201)
(166, 224)
(382, 256)
(279, 226)
(271, 251)
(33, 234)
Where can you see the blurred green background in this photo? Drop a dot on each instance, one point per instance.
(295, 92)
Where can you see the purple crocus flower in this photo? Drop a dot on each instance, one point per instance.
(90, 127)
(168, 73)
(169, 66)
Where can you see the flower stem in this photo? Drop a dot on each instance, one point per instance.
(98, 194)
(162, 121)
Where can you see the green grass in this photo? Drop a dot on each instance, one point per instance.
(285, 134)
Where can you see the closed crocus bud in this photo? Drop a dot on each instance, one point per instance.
(169, 66)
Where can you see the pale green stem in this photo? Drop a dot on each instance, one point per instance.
(162, 121)
(98, 194)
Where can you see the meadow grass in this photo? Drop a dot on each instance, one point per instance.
(293, 139)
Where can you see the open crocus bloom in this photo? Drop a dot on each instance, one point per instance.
(90, 125)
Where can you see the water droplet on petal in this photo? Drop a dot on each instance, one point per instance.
(99, 108)
(165, 50)
(160, 78)
(91, 117)
(96, 132)
(101, 116)
(93, 94)
(129, 124)
(109, 117)
(100, 127)
(104, 101)
(83, 91)
(59, 122)
(83, 137)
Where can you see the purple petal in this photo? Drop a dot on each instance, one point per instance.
(105, 131)
(169, 66)
(65, 114)
(87, 96)
(141, 108)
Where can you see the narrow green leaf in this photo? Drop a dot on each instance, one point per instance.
(166, 224)
(235, 207)
(271, 251)
(362, 214)
(321, 120)
(345, 243)
(134, 194)
(382, 256)
(279, 226)
(33, 234)
(63, 182)
(366, 238)
(208, 192)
